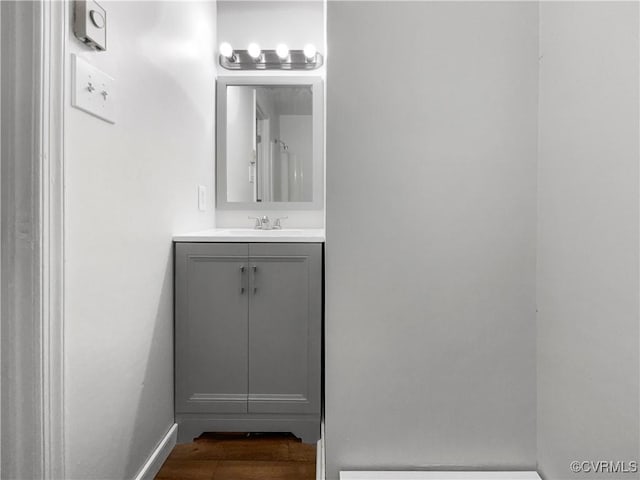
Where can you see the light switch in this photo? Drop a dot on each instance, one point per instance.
(202, 198)
(92, 90)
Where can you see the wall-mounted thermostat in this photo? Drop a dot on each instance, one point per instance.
(90, 23)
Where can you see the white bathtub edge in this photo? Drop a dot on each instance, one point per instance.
(397, 475)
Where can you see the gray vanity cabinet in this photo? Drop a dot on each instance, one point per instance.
(248, 331)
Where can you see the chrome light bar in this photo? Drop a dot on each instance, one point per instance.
(269, 60)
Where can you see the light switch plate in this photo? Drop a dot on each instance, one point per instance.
(93, 91)
(202, 198)
(90, 23)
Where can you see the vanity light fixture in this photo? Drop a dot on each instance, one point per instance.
(254, 51)
(226, 50)
(310, 52)
(254, 58)
(282, 51)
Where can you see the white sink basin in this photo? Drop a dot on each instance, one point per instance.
(253, 235)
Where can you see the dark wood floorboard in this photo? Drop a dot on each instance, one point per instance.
(236, 456)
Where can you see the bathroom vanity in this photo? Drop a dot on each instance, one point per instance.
(248, 332)
(248, 301)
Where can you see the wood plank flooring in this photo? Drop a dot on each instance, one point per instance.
(236, 456)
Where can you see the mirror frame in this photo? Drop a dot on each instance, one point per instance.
(317, 89)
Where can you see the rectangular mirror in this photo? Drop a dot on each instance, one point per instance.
(270, 143)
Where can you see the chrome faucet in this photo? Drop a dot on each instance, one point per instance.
(262, 223)
(265, 223)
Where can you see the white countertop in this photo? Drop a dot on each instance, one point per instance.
(285, 235)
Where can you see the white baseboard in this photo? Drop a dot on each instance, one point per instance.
(439, 476)
(153, 464)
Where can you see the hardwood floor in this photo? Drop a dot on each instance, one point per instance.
(236, 456)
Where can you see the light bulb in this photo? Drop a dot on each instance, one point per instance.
(226, 50)
(310, 51)
(282, 51)
(254, 50)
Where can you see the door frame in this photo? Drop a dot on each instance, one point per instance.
(32, 229)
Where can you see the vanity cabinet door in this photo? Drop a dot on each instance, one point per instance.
(285, 327)
(211, 327)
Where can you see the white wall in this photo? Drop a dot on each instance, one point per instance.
(588, 258)
(268, 23)
(431, 228)
(129, 187)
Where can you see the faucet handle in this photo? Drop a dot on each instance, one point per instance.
(258, 224)
(276, 223)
